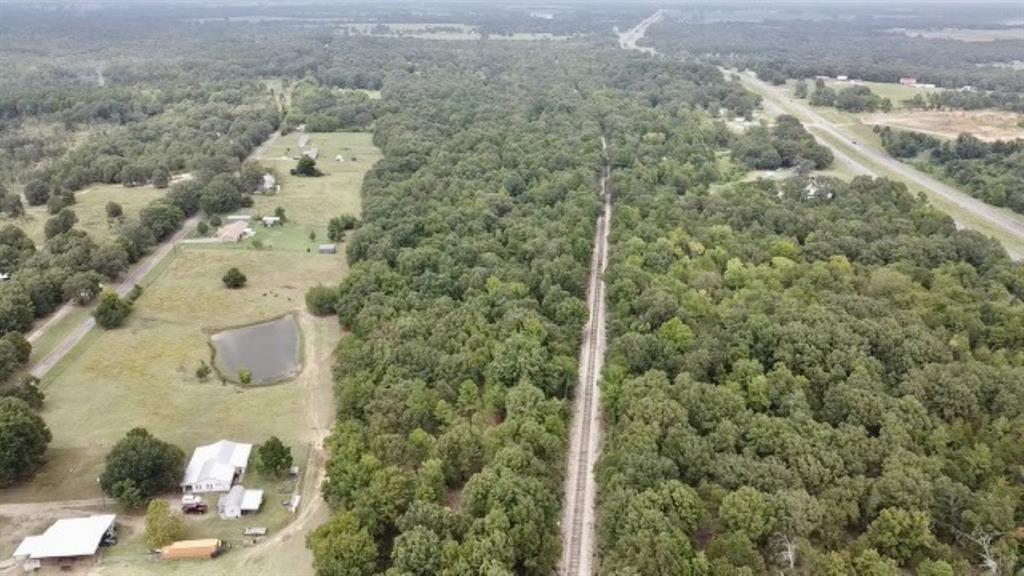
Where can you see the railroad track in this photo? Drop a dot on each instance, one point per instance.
(580, 489)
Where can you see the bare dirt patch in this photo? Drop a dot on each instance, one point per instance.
(985, 124)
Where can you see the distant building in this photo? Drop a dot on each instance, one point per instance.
(215, 467)
(271, 221)
(4, 276)
(269, 183)
(842, 78)
(967, 88)
(67, 540)
(908, 81)
(924, 86)
(328, 249)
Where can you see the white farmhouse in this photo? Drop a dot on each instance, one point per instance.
(215, 467)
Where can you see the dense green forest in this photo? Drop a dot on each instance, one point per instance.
(809, 377)
(990, 171)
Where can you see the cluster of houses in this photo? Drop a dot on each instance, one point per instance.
(214, 468)
(909, 81)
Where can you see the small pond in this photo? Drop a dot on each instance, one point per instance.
(270, 350)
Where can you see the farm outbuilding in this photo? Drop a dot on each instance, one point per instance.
(271, 221)
(327, 249)
(68, 539)
(215, 467)
(238, 501)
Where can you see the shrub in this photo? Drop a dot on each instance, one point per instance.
(37, 192)
(162, 525)
(234, 278)
(203, 372)
(114, 210)
(203, 228)
(26, 390)
(215, 221)
(245, 376)
(112, 310)
(321, 300)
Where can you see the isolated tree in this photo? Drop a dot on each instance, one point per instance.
(163, 526)
(37, 192)
(234, 278)
(203, 228)
(112, 310)
(114, 210)
(279, 212)
(61, 223)
(140, 466)
(23, 440)
(306, 166)
(273, 457)
(321, 300)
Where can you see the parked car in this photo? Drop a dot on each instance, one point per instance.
(194, 508)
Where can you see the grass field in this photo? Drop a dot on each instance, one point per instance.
(895, 92)
(304, 199)
(90, 207)
(143, 373)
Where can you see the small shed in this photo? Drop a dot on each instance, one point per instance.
(271, 221)
(252, 500)
(327, 249)
(269, 183)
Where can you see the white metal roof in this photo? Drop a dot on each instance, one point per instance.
(216, 461)
(251, 500)
(67, 538)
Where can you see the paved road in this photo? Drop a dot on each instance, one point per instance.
(629, 38)
(578, 550)
(966, 210)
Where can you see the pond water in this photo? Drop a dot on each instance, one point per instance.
(270, 350)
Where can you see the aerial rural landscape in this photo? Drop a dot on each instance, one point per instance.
(343, 288)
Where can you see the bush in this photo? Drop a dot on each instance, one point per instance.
(215, 221)
(162, 525)
(114, 210)
(306, 167)
(244, 377)
(203, 372)
(134, 294)
(112, 310)
(140, 466)
(203, 228)
(37, 192)
(234, 278)
(12, 206)
(273, 457)
(23, 440)
(321, 300)
(337, 226)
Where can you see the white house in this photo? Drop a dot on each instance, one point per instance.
(68, 538)
(215, 467)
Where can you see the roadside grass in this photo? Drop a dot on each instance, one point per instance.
(90, 208)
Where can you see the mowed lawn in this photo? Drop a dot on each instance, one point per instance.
(309, 203)
(143, 373)
(91, 209)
